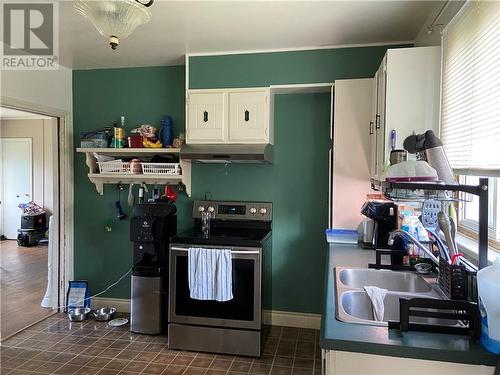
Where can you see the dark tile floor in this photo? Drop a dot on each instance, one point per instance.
(57, 346)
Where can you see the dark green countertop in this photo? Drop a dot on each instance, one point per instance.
(337, 335)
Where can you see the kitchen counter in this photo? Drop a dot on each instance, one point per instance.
(350, 337)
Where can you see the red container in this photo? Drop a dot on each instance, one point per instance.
(135, 141)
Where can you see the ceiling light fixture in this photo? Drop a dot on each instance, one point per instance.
(115, 19)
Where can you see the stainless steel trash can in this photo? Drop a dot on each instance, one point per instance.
(146, 315)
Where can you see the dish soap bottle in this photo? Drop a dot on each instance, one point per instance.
(488, 284)
(166, 131)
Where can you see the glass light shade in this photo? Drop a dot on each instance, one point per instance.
(114, 18)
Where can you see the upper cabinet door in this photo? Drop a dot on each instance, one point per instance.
(206, 117)
(248, 116)
(380, 120)
(372, 130)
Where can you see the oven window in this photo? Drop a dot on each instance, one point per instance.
(241, 307)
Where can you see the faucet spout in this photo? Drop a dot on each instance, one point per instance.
(413, 240)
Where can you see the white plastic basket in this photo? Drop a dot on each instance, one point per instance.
(161, 168)
(115, 166)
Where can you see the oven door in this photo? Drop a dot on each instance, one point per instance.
(243, 311)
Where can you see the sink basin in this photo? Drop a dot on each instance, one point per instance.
(391, 280)
(356, 307)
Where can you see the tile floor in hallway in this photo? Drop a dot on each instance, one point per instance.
(57, 346)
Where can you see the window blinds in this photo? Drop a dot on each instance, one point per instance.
(470, 108)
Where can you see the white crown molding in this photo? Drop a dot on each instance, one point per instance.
(296, 49)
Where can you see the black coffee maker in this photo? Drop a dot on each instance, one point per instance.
(151, 227)
(385, 215)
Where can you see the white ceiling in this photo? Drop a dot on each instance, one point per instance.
(14, 114)
(180, 27)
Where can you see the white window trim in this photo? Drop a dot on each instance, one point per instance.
(469, 247)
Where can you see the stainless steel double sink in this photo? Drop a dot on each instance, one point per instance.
(354, 305)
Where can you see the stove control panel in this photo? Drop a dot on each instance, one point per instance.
(261, 211)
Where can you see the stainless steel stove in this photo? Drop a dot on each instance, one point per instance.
(235, 326)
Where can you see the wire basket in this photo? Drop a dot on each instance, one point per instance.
(115, 166)
(161, 168)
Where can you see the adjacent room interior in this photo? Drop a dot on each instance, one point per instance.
(29, 165)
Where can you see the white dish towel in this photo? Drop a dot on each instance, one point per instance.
(210, 274)
(377, 296)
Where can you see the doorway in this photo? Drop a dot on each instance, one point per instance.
(29, 253)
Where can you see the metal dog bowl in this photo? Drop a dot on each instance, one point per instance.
(104, 314)
(79, 314)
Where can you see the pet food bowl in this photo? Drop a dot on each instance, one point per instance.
(104, 314)
(78, 314)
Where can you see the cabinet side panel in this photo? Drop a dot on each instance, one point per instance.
(351, 147)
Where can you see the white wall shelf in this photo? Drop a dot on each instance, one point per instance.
(99, 179)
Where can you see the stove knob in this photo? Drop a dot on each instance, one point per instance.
(211, 209)
(263, 210)
(201, 208)
(253, 210)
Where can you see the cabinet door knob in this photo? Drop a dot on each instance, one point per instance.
(371, 127)
(377, 121)
(205, 116)
(247, 115)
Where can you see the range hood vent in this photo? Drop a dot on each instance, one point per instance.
(248, 153)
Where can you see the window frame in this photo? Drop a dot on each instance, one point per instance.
(469, 228)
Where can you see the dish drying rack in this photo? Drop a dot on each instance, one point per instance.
(457, 282)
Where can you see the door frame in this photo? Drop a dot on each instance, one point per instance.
(2, 192)
(63, 194)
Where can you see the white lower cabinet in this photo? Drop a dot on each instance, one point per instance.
(206, 117)
(228, 116)
(248, 116)
(350, 363)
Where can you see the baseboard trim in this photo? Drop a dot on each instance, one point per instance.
(274, 317)
(292, 319)
(120, 304)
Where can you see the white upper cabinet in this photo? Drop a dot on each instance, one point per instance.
(206, 117)
(407, 100)
(228, 116)
(249, 116)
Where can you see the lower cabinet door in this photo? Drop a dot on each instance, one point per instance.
(249, 116)
(206, 117)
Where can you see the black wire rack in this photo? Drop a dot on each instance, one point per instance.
(463, 310)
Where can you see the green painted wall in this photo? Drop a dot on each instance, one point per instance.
(142, 95)
(264, 69)
(297, 183)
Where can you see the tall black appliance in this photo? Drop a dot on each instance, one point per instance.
(151, 227)
(385, 215)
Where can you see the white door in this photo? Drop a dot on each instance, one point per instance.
(249, 116)
(17, 182)
(206, 117)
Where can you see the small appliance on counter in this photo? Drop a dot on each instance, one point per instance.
(151, 227)
(235, 325)
(385, 216)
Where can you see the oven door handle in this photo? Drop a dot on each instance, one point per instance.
(232, 251)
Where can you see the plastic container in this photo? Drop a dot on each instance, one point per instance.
(411, 171)
(135, 141)
(166, 134)
(161, 168)
(115, 166)
(488, 285)
(347, 236)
